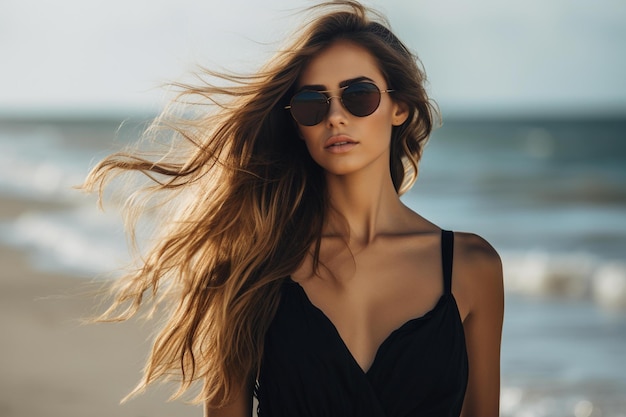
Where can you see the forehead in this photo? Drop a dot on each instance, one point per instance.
(342, 60)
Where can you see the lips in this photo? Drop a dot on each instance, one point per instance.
(339, 141)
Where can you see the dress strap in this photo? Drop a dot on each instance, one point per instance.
(447, 251)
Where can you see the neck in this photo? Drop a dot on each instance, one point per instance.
(364, 205)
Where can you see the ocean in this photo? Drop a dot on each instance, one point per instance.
(549, 194)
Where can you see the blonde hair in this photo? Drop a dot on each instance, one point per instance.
(256, 204)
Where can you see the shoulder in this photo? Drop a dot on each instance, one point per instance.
(477, 272)
(475, 252)
(478, 289)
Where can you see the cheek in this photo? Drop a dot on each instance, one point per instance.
(380, 125)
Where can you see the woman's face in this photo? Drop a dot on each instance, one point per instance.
(343, 143)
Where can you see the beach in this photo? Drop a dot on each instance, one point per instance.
(54, 365)
(550, 195)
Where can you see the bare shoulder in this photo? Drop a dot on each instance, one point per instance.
(474, 247)
(477, 272)
(475, 252)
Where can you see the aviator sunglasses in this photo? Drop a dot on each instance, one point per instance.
(310, 107)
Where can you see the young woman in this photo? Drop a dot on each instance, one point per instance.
(291, 269)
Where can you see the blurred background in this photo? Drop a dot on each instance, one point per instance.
(531, 155)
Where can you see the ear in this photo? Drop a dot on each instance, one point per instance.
(400, 113)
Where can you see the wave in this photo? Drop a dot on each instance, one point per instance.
(79, 241)
(84, 240)
(551, 398)
(37, 166)
(576, 275)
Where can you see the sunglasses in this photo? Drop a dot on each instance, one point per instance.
(310, 107)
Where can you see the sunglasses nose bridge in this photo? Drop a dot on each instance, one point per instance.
(328, 98)
(339, 98)
(338, 102)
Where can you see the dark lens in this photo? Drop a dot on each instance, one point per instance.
(309, 107)
(361, 99)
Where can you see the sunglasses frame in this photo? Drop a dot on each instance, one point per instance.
(340, 97)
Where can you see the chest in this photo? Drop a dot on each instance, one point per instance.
(366, 298)
(422, 362)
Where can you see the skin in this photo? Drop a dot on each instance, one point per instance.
(381, 261)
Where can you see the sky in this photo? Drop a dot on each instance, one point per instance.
(481, 56)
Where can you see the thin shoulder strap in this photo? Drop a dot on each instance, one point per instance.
(447, 252)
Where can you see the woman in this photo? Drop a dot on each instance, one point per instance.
(291, 268)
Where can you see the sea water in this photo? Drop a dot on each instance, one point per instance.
(549, 195)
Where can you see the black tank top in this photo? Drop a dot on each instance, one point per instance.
(420, 370)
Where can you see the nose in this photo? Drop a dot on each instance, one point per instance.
(336, 111)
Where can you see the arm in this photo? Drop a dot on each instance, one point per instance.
(240, 407)
(481, 274)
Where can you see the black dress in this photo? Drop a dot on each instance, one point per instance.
(420, 370)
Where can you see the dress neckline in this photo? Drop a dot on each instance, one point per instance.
(407, 325)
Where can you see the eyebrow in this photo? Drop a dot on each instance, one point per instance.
(342, 84)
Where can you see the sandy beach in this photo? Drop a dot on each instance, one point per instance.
(52, 364)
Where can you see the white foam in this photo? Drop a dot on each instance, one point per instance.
(559, 398)
(40, 166)
(609, 285)
(81, 240)
(570, 275)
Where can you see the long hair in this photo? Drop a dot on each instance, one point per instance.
(250, 204)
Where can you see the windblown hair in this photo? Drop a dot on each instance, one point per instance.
(254, 206)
